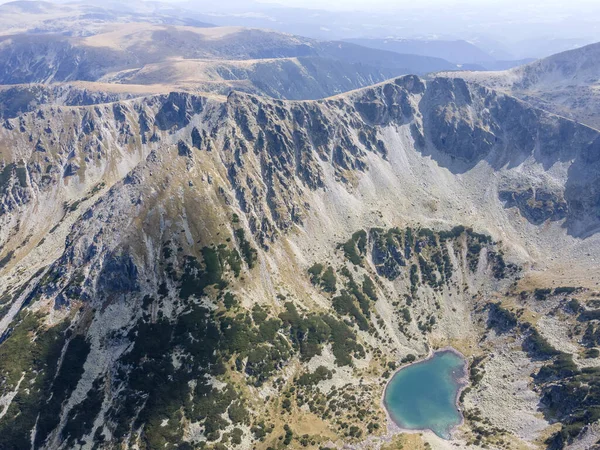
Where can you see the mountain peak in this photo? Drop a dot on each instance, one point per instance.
(565, 83)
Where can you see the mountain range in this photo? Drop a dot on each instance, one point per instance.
(459, 51)
(566, 83)
(151, 57)
(226, 237)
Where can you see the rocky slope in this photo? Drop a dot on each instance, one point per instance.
(566, 83)
(180, 270)
(18, 99)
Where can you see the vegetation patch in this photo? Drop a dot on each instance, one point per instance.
(354, 249)
(30, 352)
(536, 346)
(501, 319)
(80, 419)
(249, 253)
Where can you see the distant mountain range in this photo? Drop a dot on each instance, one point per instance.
(80, 19)
(119, 49)
(461, 52)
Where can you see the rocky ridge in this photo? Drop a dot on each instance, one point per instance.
(566, 83)
(327, 234)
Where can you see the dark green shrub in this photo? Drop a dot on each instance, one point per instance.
(408, 358)
(501, 319)
(564, 290)
(328, 280)
(368, 288)
(248, 252)
(542, 294)
(537, 346)
(238, 414)
(315, 273)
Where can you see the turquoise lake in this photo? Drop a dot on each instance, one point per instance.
(424, 395)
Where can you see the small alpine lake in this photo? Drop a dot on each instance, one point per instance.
(425, 394)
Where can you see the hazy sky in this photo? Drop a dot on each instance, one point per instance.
(544, 6)
(508, 29)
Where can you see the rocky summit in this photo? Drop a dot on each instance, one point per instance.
(184, 269)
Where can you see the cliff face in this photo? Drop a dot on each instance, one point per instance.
(272, 151)
(171, 264)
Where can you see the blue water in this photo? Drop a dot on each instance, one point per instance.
(423, 395)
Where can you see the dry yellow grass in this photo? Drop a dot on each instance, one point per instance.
(125, 35)
(407, 441)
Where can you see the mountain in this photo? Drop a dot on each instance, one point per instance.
(81, 19)
(467, 55)
(544, 46)
(566, 83)
(224, 237)
(181, 270)
(496, 65)
(18, 99)
(215, 59)
(458, 51)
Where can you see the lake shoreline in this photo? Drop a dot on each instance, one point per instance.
(463, 381)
